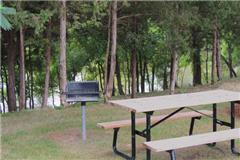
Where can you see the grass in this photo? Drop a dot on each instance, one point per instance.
(55, 134)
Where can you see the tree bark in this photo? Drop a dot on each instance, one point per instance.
(214, 52)
(52, 90)
(133, 71)
(218, 56)
(113, 51)
(62, 61)
(31, 81)
(230, 50)
(147, 76)
(125, 79)
(134, 62)
(153, 77)
(107, 57)
(2, 89)
(196, 61)
(47, 67)
(22, 85)
(206, 65)
(11, 58)
(28, 94)
(119, 79)
(6, 82)
(137, 76)
(143, 75)
(128, 75)
(165, 79)
(173, 71)
(229, 66)
(99, 66)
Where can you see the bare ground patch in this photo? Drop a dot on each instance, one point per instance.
(68, 137)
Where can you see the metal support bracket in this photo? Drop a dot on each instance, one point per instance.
(114, 145)
(165, 118)
(192, 124)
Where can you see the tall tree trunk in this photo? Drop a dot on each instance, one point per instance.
(214, 52)
(52, 90)
(113, 50)
(134, 62)
(143, 75)
(133, 71)
(230, 50)
(11, 58)
(22, 85)
(31, 81)
(125, 79)
(148, 77)
(197, 78)
(128, 75)
(6, 82)
(28, 95)
(2, 89)
(62, 62)
(153, 77)
(107, 57)
(218, 57)
(173, 71)
(119, 79)
(47, 67)
(165, 79)
(229, 66)
(207, 65)
(137, 70)
(100, 74)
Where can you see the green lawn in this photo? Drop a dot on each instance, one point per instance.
(56, 134)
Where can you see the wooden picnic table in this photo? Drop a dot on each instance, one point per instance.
(148, 105)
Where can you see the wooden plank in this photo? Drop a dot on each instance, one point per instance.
(148, 104)
(195, 140)
(127, 123)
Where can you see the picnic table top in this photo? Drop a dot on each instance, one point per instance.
(148, 104)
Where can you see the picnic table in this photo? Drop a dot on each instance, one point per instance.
(179, 102)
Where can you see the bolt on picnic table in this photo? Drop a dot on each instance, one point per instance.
(86, 91)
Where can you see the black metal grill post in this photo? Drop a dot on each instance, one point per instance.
(84, 130)
(83, 92)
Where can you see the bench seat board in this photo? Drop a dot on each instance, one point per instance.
(148, 104)
(194, 140)
(127, 123)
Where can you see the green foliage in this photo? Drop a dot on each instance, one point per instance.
(4, 11)
(160, 27)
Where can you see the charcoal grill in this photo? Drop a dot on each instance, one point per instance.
(86, 91)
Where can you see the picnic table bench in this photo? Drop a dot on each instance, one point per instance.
(180, 101)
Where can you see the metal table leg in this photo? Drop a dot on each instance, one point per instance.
(214, 122)
(133, 127)
(233, 149)
(148, 133)
(172, 154)
(214, 117)
(84, 134)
